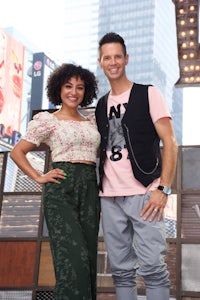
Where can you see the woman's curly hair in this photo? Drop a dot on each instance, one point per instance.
(62, 74)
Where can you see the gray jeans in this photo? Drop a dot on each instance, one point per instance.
(134, 247)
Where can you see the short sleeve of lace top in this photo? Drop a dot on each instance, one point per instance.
(39, 128)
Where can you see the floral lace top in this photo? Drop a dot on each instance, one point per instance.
(67, 139)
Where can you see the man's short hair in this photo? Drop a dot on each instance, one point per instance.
(112, 37)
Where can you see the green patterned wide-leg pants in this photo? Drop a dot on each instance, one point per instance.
(71, 210)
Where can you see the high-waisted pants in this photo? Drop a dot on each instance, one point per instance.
(71, 211)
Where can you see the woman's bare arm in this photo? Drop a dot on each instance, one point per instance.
(18, 155)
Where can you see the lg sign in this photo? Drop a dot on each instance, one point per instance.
(37, 65)
(37, 68)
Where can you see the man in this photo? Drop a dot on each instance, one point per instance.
(134, 181)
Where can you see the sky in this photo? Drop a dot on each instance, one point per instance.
(41, 22)
(191, 116)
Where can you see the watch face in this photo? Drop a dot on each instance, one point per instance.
(167, 190)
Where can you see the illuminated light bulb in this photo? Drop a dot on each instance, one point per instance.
(181, 11)
(184, 56)
(183, 33)
(192, 7)
(184, 45)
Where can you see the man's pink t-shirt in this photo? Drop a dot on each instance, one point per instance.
(119, 179)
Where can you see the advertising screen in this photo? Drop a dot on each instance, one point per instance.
(11, 84)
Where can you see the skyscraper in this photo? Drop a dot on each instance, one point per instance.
(81, 32)
(149, 30)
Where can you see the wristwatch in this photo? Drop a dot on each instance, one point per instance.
(165, 189)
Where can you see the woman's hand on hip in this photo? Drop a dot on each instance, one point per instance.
(51, 176)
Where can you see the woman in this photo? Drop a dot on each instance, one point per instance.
(70, 202)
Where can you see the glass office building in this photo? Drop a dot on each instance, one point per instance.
(149, 30)
(81, 32)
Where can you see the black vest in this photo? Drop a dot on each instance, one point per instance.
(142, 140)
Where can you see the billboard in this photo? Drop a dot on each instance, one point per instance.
(11, 85)
(42, 67)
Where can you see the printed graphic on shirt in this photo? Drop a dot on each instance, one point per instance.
(116, 141)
